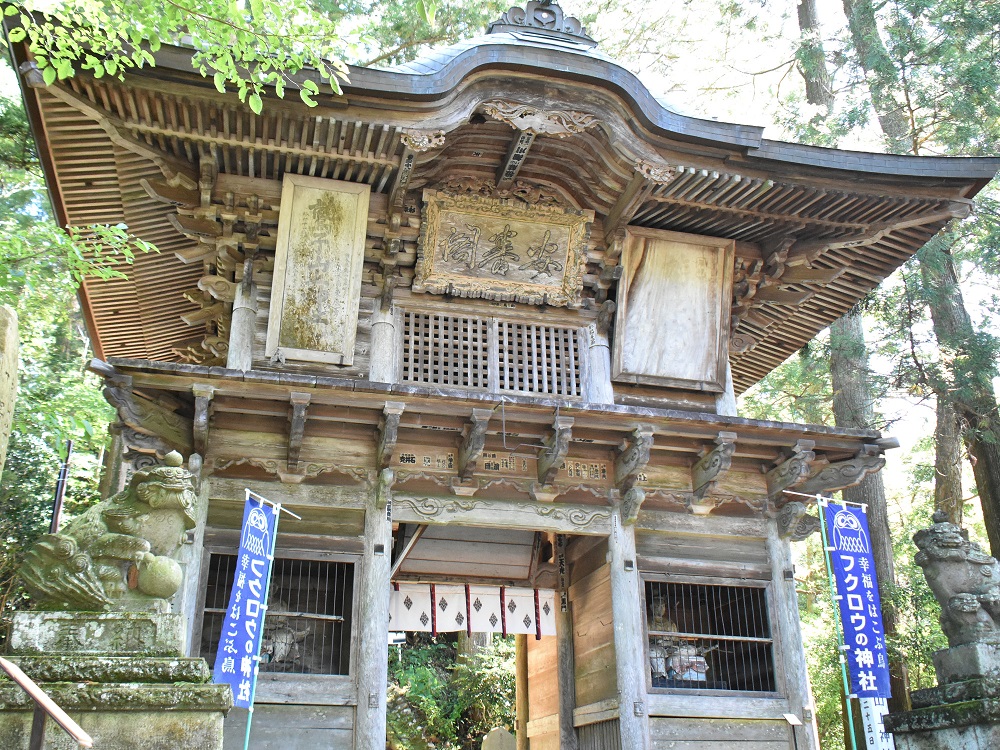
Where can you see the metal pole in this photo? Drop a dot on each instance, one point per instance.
(822, 503)
(57, 501)
(267, 592)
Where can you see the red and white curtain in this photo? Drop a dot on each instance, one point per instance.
(448, 608)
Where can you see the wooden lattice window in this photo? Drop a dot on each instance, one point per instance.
(445, 350)
(709, 637)
(307, 629)
(490, 354)
(539, 359)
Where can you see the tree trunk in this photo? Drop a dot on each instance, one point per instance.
(881, 73)
(970, 364)
(853, 407)
(812, 59)
(948, 460)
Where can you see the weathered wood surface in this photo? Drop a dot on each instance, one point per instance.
(306, 689)
(715, 706)
(593, 637)
(8, 375)
(282, 727)
(565, 518)
(630, 632)
(521, 706)
(543, 686)
(673, 310)
(373, 617)
(790, 658)
(710, 734)
(317, 271)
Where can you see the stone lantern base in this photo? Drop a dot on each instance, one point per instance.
(963, 712)
(121, 676)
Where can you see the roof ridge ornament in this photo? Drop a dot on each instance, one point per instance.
(542, 16)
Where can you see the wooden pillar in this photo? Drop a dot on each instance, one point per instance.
(566, 665)
(790, 660)
(630, 663)
(521, 690)
(373, 620)
(114, 469)
(725, 402)
(598, 386)
(384, 347)
(244, 322)
(191, 557)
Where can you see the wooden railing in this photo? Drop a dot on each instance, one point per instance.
(44, 707)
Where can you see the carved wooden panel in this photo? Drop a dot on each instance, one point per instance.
(317, 270)
(475, 246)
(672, 325)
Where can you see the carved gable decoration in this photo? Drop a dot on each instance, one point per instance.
(672, 324)
(317, 270)
(475, 246)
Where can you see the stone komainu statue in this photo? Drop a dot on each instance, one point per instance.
(965, 581)
(117, 554)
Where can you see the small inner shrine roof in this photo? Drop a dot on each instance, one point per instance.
(816, 229)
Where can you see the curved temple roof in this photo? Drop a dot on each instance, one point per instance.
(816, 228)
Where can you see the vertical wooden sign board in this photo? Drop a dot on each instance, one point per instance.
(317, 270)
(674, 301)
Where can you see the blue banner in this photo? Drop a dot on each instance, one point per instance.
(860, 608)
(239, 644)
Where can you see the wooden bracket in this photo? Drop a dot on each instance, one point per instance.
(633, 455)
(397, 193)
(296, 426)
(556, 448)
(218, 287)
(143, 443)
(388, 430)
(795, 523)
(791, 472)
(631, 503)
(713, 464)
(141, 414)
(473, 441)
(842, 474)
(199, 427)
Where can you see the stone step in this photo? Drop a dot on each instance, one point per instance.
(956, 692)
(111, 669)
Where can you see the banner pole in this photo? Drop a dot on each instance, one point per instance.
(821, 502)
(267, 593)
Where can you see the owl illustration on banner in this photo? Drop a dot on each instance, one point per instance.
(256, 544)
(848, 536)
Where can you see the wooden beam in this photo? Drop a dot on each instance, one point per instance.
(473, 442)
(517, 152)
(199, 428)
(332, 496)
(632, 197)
(563, 518)
(633, 455)
(296, 426)
(388, 432)
(417, 533)
(556, 448)
(145, 416)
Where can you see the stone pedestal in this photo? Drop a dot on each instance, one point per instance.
(121, 676)
(962, 712)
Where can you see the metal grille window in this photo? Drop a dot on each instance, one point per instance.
(709, 637)
(490, 354)
(307, 629)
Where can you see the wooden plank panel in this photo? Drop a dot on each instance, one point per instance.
(734, 732)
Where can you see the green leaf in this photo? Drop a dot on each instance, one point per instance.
(255, 103)
(49, 75)
(220, 82)
(306, 97)
(16, 34)
(10, 10)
